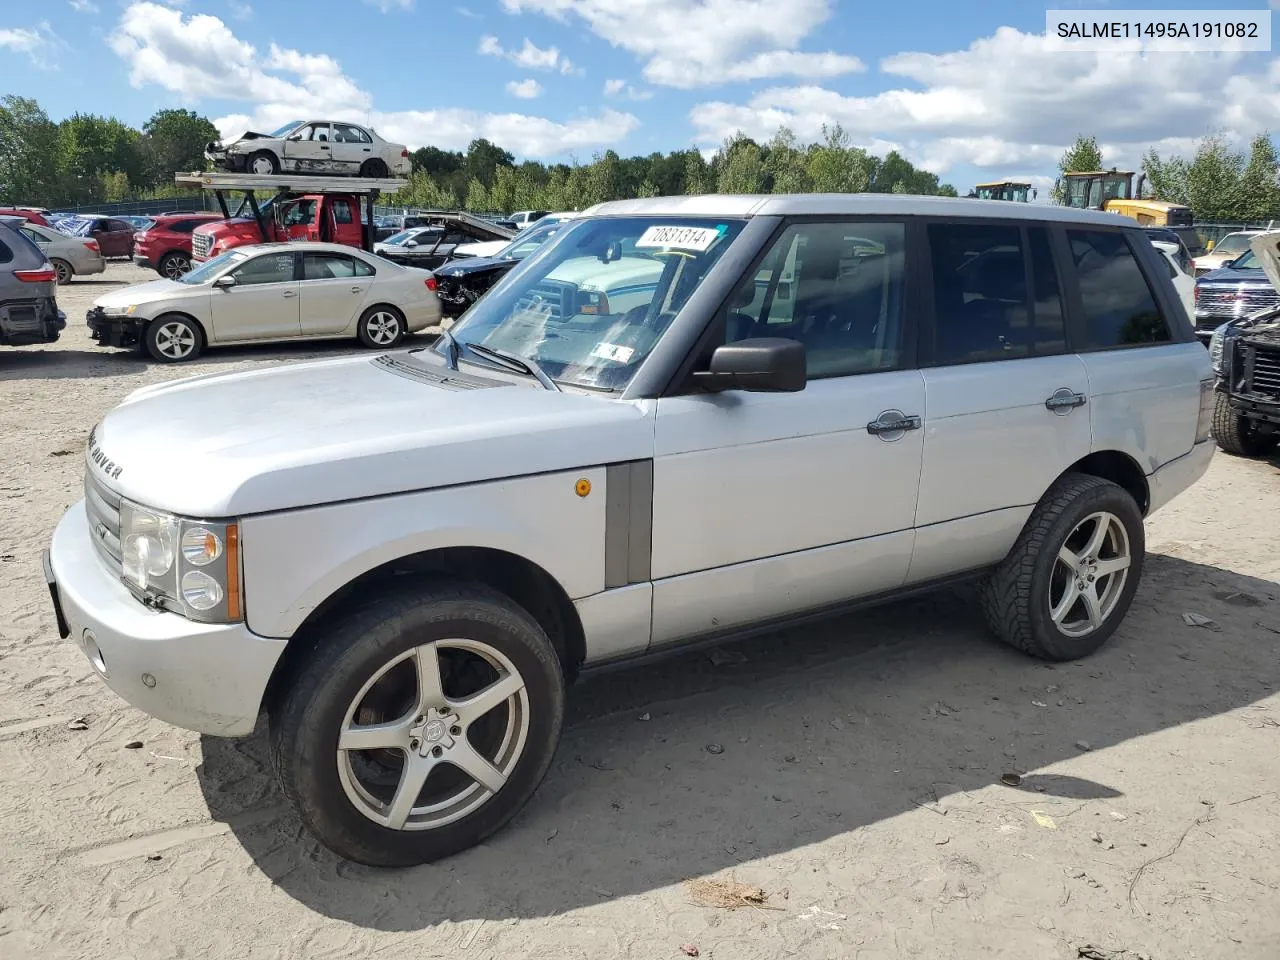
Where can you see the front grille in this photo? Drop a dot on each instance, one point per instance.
(1265, 376)
(201, 245)
(103, 508)
(555, 297)
(1236, 301)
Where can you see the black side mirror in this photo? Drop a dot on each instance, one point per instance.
(760, 365)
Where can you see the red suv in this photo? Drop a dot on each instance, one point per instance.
(165, 246)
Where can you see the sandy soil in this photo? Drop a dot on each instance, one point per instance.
(859, 783)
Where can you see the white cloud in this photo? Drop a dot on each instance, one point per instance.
(84, 6)
(468, 13)
(530, 56)
(37, 42)
(199, 57)
(386, 6)
(692, 43)
(620, 88)
(524, 89)
(241, 11)
(1004, 103)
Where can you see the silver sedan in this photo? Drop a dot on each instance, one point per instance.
(70, 256)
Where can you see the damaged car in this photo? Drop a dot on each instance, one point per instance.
(463, 282)
(313, 146)
(1245, 353)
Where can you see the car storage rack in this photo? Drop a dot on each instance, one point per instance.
(284, 186)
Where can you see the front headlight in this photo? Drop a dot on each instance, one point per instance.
(128, 311)
(1215, 349)
(186, 566)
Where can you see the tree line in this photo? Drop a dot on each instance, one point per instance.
(1218, 183)
(87, 159)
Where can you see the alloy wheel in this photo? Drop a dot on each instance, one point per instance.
(1089, 574)
(175, 340)
(433, 735)
(383, 328)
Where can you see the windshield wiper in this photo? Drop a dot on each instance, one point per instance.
(451, 349)
(523, 364)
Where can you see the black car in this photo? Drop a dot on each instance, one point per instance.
(1246, 364)
(463, 282)
(1238, 290)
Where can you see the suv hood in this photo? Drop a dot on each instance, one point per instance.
(148, 292)
(226, 445)
(1231, 275)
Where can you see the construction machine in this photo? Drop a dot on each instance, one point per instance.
(1114, 191)
(1003, 190)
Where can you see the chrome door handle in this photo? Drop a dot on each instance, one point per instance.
(893, 424)
(357, 289)
(1064, 400)
(289, 293)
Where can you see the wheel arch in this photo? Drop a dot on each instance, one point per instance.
(176, 313)
(1121, 469)
(71, 267)
(523, 581)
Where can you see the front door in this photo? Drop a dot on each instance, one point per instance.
(309, 149)
(766, 505)
(263, 303)
(333, 290)
(1005, 402)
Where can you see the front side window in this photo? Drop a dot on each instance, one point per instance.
(304, 211)
(342, 211)
(835, 287)
(327, 266)
(268, 268)
(592, 303)
(1118, 305)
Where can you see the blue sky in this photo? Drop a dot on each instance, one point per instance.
(965, 90)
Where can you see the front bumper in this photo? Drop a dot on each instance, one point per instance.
(224, 159)
(209, 678)
(113, 331)
(1256, 407)
(1177, 475)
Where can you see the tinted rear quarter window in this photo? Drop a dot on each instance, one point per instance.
(5, 253)
(1119, 308)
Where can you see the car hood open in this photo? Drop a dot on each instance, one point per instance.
(1266, 247)
(233, 444)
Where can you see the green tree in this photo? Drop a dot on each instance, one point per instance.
(29, 153)
(173, 141)
(91, 150)
(1213, 180)
(741, 168)
(1081, 156)
(1258, 192)
(787, 164)
(1166, 179)
(603, 179)
(482, 160)
(697, 177)
(477, 196)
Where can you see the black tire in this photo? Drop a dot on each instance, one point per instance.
(173, 265)
(64, 270)
(374, 168)
(169, 332)
(308, 714)
(375, 326)
(267, 157)
(1015, 597)
(1239, 435)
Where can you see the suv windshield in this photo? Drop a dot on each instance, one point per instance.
(1233, 243)
(1247, 261)
(589, 307)
(211, 268)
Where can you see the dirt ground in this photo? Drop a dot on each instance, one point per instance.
(850, 770)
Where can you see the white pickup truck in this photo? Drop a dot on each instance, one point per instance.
(797, 405)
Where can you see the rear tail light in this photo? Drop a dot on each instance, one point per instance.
(432, 284)
(1205, 420)
(404, 153)
(92, 245)
(43, 275)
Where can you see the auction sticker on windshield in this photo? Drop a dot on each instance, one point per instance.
(613, 351)
(680, 238)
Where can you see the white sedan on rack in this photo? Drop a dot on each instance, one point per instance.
(266, 292)
(313, 146)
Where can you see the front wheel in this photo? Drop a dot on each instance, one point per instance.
(420, 724)
(1236, 434)
(381, 327)
(263, 163)
(173, 339)
(1070, 578)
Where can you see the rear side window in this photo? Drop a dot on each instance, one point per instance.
(341, 211)
(5, 253)
(184, 226)
(1119, 308)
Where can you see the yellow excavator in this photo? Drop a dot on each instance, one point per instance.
(1113, 191)
(1003, 190)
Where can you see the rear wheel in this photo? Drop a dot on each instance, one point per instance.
(374, 168)
(381, 327)
(1070, 578)
(1239, 435)
(173, 266)
(173, 339)
(419, 725)
(263, 163)
(64, 270)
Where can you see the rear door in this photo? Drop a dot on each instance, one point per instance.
(119, 238)
(1143, 361)
(332, 292)
(1003, 396)
(262, 305)
(351, 147)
